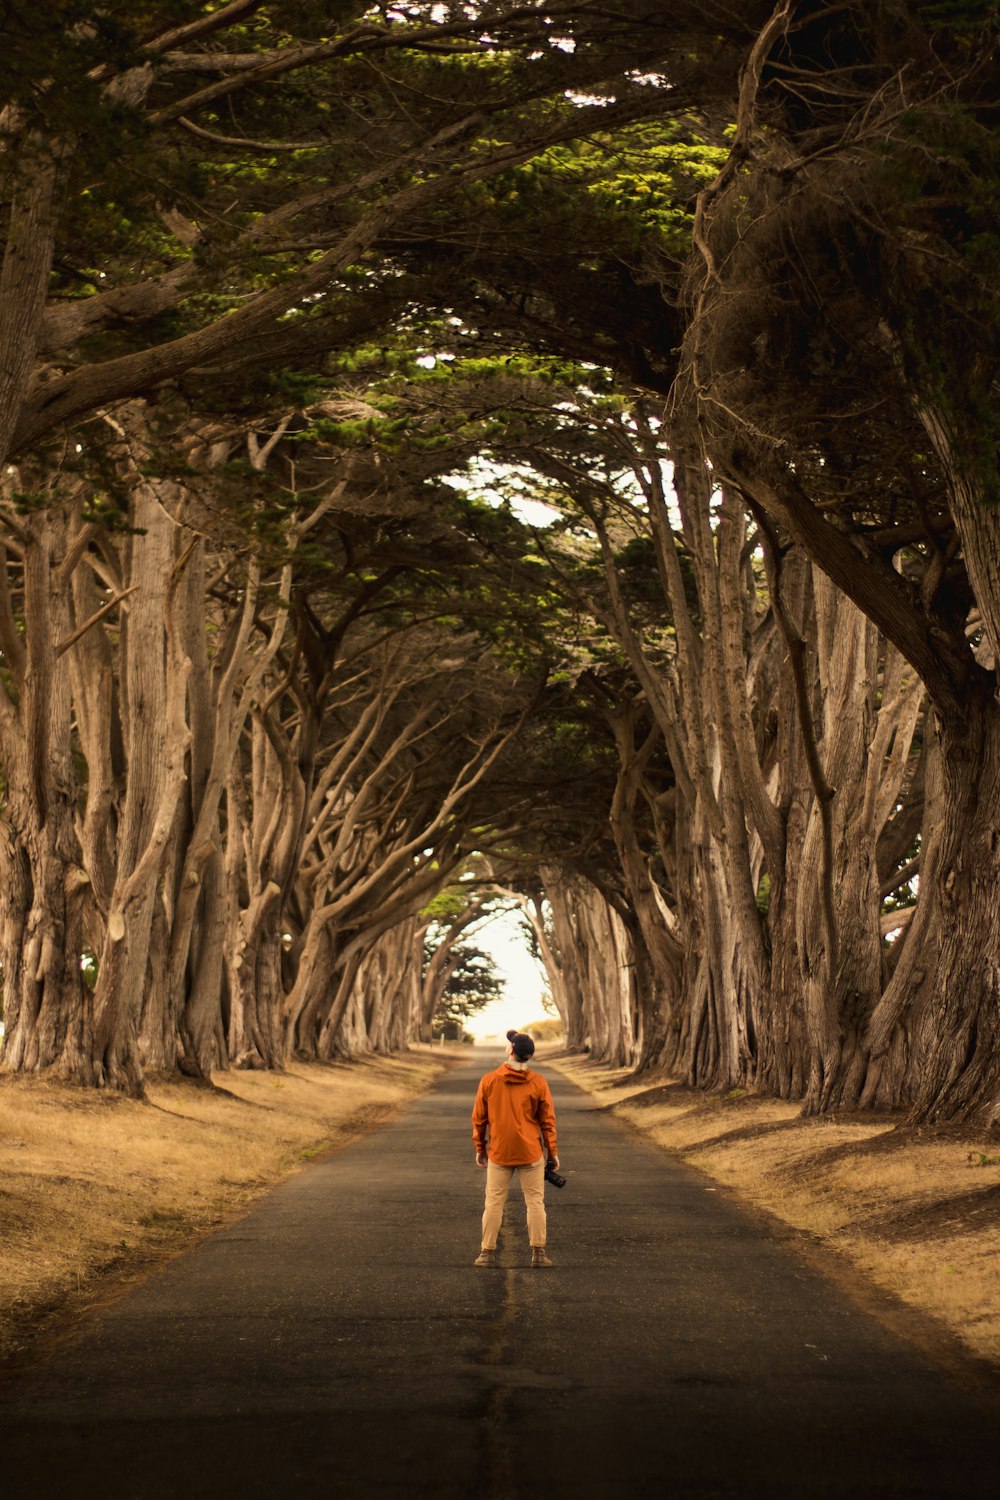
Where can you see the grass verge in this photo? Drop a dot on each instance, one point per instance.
(96, 1188)
(914, 1210)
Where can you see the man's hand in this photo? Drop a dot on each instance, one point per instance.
(481, 1159)
(554, 1163)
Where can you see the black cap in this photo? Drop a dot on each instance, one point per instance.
(523, 1046)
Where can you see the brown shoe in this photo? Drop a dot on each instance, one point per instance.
(486, 1258)
(539, 1258)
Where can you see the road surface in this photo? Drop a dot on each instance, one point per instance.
(339, 1342)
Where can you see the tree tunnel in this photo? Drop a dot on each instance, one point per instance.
(458, 454)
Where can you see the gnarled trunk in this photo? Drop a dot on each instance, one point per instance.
(945, 995)
(154, 683)
(47, 1009)
(561, 960)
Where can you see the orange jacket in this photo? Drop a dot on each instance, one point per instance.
(516, 1105)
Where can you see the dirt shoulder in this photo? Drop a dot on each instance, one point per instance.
(914, 1211)
(95, 1188)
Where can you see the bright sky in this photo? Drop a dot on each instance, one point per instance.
(524, 980)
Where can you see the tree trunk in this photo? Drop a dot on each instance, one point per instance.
(837, 929)
(953, 1072)
(24, 272)
(47, 1008)
(564, 977)
(253, 948)
(154, 686)
(661, 960)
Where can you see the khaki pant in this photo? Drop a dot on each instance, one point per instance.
(532, 1186)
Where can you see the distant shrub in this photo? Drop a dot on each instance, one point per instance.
(545, 1031)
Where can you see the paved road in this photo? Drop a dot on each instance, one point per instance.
(338, 1342)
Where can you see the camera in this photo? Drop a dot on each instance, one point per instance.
(551, 1175)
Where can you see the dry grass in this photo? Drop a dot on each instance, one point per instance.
(917, 1211)
(95, 1186)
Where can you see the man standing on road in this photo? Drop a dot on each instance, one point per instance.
(515, 1106)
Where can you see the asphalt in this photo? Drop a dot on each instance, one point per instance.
(339, 1342)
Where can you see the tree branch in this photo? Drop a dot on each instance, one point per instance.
(247, 145)
(94, 619)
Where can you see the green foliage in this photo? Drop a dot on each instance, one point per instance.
(977, 18)
(309, 1153)
(640, 183)
(544, 1031)
(105, 512)
(764, 893)
(445, 906)
(945, 167)
(27, 501)
(474, 984)
(49, 51)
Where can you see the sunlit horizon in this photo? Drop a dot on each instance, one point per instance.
(523, 978)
